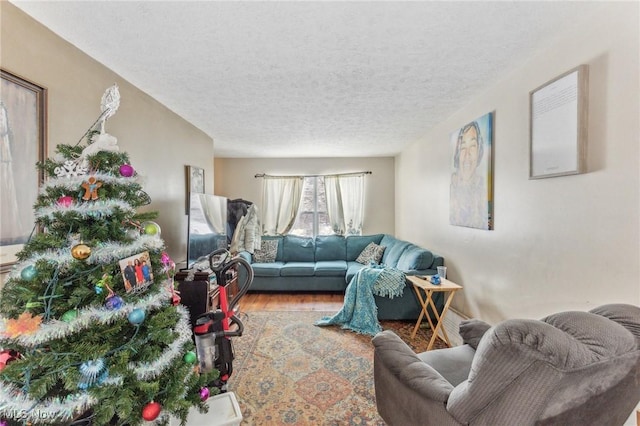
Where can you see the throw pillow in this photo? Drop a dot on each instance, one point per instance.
(267, 252)
(371, 253)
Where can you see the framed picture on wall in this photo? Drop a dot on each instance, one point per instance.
(471, 185)
(558, 125)
(23, 117)
(195, 183)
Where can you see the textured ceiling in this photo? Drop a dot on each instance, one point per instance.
(310, 79)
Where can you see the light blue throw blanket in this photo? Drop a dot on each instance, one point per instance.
(359, 311)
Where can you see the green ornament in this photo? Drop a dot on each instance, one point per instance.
(29, 273)
(151, 228)
(69, 315)
(190, 357)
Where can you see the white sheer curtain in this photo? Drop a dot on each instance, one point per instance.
(345, 203)
(215, 211)
(280, 200)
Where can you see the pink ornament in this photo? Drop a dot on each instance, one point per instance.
(204, 394)
(126, 170)
(65, 201)
(165, 259)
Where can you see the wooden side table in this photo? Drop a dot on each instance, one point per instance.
(421, 284)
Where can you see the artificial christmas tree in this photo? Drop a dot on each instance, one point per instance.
(90, 322)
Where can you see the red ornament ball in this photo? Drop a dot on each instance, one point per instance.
(151, 411)
(7, 356)
(126, 170)
(175, 299)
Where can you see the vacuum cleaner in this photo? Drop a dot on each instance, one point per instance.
(213, 330)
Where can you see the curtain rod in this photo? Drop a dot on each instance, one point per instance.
(368, 172)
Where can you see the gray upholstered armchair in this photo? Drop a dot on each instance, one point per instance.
(571, 368)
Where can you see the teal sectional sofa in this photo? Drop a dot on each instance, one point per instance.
(328, 263)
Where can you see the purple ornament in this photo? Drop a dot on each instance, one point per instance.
(126, 170)
(204, 394)
(4, 423)
(114, 302)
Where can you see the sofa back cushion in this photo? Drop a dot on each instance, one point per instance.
(415, 258)
(357, 243)
(298, 249)
(330, 247)
(393, 251)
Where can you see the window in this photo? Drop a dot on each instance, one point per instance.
(312, 218)
(313, 205)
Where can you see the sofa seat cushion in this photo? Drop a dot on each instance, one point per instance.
(454, 364)
(352, 268)
(267, 269)
(330, 268)
(298, 269)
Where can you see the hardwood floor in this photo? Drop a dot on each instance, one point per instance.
(324, 302)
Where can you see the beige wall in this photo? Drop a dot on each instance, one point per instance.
(559, 243)
(234, 178)
(159, 142)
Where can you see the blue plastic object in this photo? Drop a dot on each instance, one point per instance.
(435, 279)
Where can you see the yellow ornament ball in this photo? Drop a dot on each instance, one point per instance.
(151, 228)
(80, 251)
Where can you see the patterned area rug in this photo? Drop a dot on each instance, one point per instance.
(289, 372)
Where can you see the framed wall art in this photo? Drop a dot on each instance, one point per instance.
(23, 134)
(195, 183)
(558, 125)
(471, 185)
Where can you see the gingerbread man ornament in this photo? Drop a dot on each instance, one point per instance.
(91, 188)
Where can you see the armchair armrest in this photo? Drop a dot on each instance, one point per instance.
(246, 256)
(408, 390)
(399, 360)
(472, 331)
